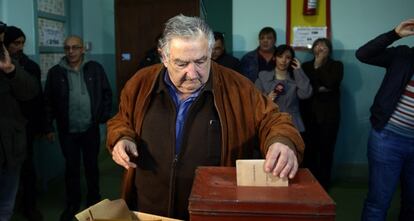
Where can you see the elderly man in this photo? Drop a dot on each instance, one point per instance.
(191, 112)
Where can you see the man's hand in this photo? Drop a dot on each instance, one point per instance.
(5, 64)
(281, 161)
(405, 28)
(272, 95)
(121, 150)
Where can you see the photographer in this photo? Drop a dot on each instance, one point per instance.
(15, 85)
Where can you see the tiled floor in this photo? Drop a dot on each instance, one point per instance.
(348, 196)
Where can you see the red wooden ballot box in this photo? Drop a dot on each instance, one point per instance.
(215, 196)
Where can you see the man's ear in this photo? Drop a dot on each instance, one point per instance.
(164, 59)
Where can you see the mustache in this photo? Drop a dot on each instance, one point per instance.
(191, 79)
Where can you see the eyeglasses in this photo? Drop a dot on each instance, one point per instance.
(73, 47)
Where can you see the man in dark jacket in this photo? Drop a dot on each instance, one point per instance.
(78, 95)
(189, 112)
(15, 85)
(32, 109)
(220, 55)
(391, 142)
(261, 58)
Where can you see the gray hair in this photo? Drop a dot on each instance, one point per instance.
(181, 26)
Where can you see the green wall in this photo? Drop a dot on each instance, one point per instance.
(353, 23)
(219, 15)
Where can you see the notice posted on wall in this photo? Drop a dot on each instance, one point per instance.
(305, 36)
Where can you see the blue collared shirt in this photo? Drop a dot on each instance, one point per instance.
(182, 107)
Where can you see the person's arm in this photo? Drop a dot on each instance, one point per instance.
(328, 77)
(280, 141)
(375, 52)
(121, 137)
(302, 81)
(23, 85)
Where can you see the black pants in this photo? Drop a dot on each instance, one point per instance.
(73, 146)
(28, 181)
(320, 140)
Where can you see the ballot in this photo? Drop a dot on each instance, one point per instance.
(252, 173)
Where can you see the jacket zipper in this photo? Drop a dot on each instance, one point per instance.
(221, 131)
(173, 167)
(172, 187)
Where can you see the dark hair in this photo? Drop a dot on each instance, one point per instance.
(326, 41)
(219, 36)
(3, 27)
(268, 30)
(282, 48)
(11, 34)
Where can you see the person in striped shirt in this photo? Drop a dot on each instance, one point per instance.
(391, 141)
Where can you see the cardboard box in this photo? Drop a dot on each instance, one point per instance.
(215, 196)
(116, 210)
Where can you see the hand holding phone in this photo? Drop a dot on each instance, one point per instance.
(295, 63)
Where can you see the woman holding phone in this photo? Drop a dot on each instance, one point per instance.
(286, 84)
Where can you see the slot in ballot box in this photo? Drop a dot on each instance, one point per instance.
(215, 196)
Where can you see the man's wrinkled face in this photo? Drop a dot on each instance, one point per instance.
(188, 64)
(74, 50)
(16, 45)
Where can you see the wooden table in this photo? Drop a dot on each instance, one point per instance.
(216, 197)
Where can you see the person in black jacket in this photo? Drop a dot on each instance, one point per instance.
(15, 86)
(32, 109)
(321, 112)
(391, 141)
(220, 55)
(78, 95)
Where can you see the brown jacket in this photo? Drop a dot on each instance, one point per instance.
(243, 111)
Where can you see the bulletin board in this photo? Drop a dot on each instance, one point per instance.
(301, 29)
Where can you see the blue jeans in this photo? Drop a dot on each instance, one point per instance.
(390, 159)
(9, 183)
